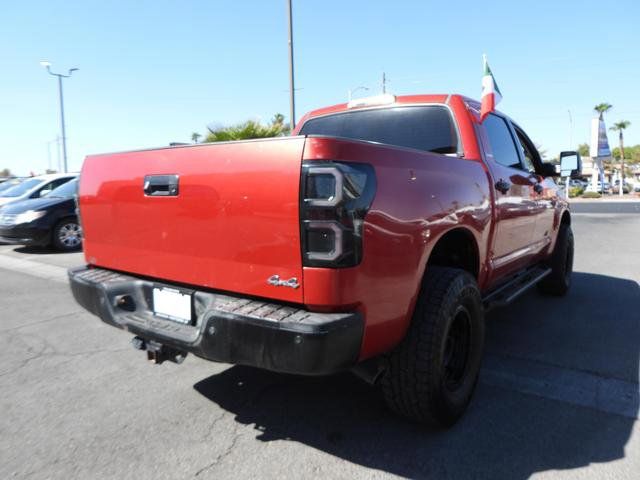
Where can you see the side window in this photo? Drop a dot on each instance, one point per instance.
(49, 187)
(56, 183)
(502, 146)
(42, 191)
(528, 155)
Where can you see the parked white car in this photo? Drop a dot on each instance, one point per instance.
(607, 188)
(11, 182)
(34, 187)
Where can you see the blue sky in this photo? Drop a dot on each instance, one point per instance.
(152, 72)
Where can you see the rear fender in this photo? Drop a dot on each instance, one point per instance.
(420, 197)
(428, 260)
(562, 215)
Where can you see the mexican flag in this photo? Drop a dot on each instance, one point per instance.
(491, 95)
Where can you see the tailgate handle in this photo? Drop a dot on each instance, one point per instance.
(161, 185)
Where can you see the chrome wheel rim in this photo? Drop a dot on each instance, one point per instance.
(70, 235)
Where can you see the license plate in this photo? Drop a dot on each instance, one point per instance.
(172, 304)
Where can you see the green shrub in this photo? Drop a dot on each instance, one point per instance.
(591, 195)
(575, 192)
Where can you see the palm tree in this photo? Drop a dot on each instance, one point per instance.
(195, 136)
(278, 120)
(619, 127)
(248, 129)
(602, 108)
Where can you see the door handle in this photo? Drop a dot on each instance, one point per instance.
(503, 186)
(161, 185)
(538, 188)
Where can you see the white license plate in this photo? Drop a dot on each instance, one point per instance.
(172, 304)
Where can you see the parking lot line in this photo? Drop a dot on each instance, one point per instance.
(580, 388)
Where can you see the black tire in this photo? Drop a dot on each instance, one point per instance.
(63, 238)
(430, 377)
(558, 281)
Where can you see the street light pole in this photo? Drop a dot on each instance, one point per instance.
(292, 99)
(64, 136)
(60, 76)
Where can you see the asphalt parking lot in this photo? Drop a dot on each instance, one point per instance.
(558, 396)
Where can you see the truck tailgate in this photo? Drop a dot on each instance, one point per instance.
(232, 223)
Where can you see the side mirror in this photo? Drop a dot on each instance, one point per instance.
(570, 164)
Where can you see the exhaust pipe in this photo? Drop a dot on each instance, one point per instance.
(157, 352)
(370, 370)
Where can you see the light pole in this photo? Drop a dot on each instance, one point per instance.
(292, 98)
(60, 76)
(354, 90)
(570, 130)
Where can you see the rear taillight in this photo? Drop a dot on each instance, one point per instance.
(335, 199)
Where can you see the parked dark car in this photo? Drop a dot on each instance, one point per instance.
(50, 220)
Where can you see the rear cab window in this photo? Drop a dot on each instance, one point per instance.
(423, 127)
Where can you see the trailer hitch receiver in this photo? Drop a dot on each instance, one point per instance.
(157, 352)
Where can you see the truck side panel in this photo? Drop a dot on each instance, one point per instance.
(420, 197)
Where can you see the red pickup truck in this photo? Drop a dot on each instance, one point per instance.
(373, 239)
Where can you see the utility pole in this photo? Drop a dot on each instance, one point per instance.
(292, 98)
(60, 76)
(48, 155)
(384, 83)
(570, 130)
(49, 164)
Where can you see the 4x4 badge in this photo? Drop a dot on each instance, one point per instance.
(276, 281)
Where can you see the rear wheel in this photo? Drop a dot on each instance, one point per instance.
(67, 235)
(561, 263)
(430, 377)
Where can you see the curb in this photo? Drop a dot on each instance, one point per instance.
(35, 269)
